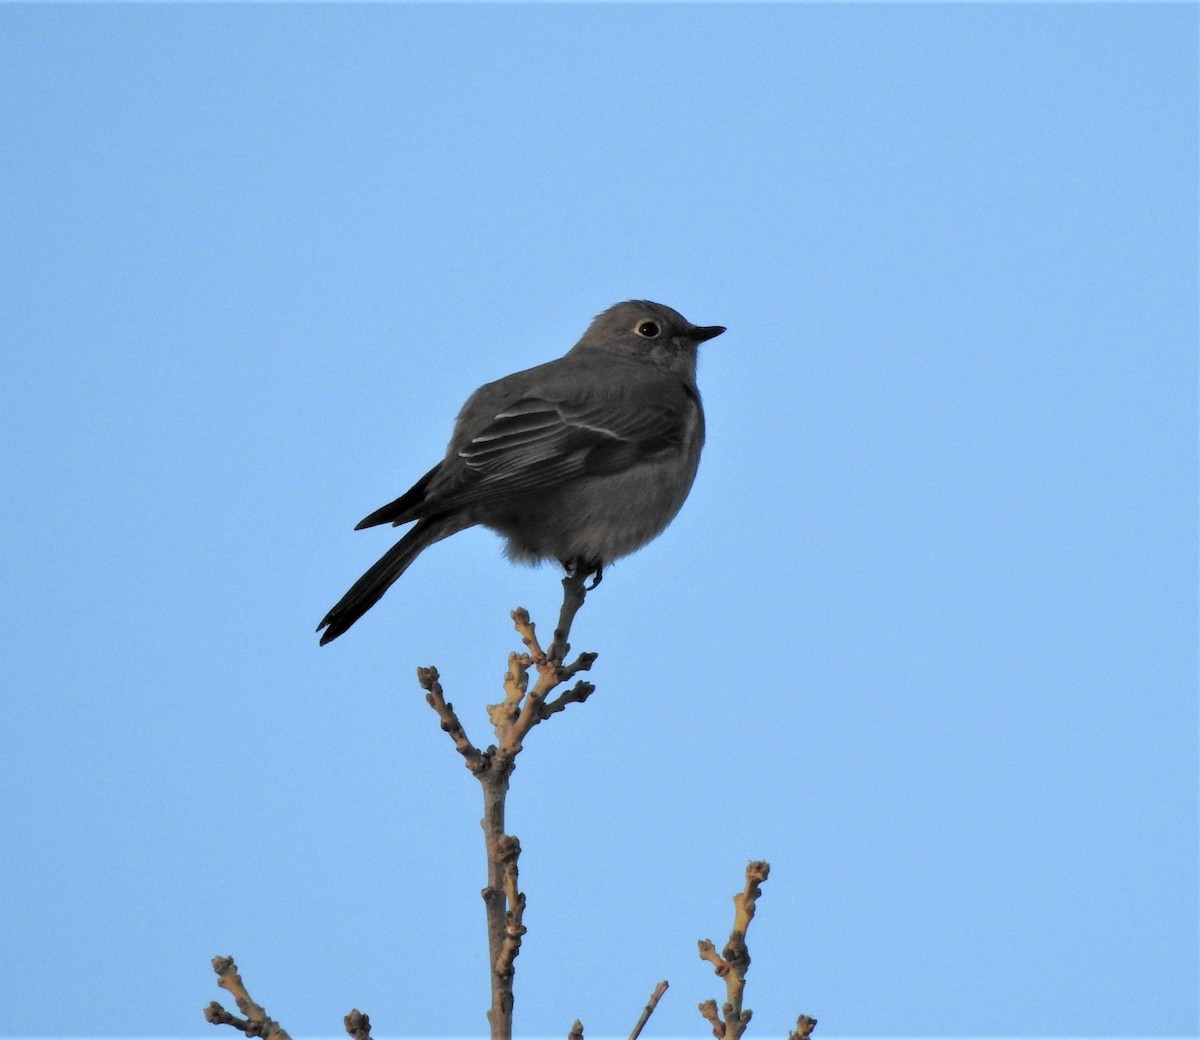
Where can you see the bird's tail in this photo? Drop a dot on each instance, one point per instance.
(366, 592)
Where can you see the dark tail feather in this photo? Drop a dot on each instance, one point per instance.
(366, 592)
(400, 511)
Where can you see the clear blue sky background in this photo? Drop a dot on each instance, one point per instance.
(923, 637)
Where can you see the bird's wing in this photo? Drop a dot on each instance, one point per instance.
(535, 443)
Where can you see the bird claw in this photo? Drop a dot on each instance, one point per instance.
(584, 569)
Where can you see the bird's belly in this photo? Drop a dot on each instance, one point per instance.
(596, 519)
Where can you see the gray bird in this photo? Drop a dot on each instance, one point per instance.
(582, 460)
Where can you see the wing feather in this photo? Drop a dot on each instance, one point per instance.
(535, 443)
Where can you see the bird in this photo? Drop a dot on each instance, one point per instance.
(582, 460)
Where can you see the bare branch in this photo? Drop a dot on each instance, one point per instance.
(527, 630)
(574, 593)
(257, 1023)
(477, 761)
(521, 708)
(648, 1010)
(734, 961)
(577, 694)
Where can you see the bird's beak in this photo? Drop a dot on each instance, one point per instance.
(700, 333)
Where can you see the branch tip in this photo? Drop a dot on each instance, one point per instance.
(804, 1028)
(648, 1010)
(358, 1025)
(257, 1023)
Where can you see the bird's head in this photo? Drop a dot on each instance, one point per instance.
(649, 331)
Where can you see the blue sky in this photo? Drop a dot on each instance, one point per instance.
(923, 636)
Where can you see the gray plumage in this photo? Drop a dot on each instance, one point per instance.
(582, 460)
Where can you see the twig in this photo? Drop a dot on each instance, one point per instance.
(574, 593)
(734, 960)
(257, 1022)
(648, 1010)
(476, 760)
(577, 694)
(522, 708)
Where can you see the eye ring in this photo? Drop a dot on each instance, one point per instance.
(648, 329)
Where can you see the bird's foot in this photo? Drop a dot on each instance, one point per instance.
(579, 568)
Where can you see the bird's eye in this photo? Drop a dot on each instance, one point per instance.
(648, 329)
